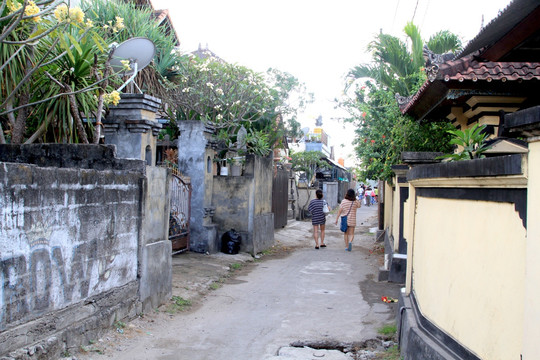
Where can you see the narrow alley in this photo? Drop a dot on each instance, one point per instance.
(272, 308)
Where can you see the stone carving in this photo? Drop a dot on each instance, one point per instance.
(209, 212)
(403, 100)
(433, 61)
(241, 136)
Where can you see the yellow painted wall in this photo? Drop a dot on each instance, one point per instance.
(531, 333)
(468, 273)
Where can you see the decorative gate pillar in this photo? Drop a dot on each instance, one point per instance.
(133, 128)
(195, 159)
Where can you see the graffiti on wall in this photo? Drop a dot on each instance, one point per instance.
(52, 277)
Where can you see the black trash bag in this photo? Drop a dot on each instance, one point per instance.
(230, 242)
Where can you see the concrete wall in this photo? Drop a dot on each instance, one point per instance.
(132, 127)
(263, 218)
(388, 207)
(244, 203)
(481, 258)
(194, 154)
(531, 328)
(232, 198)
(155, 272)
(467, 240)
(304, 197)
(330, 192)
(71, 244)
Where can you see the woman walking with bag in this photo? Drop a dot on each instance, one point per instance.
(347, 209)
(317, 209)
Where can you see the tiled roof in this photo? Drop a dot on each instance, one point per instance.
(510, 41)
(470, 69)
(163, 18)
(508, 18)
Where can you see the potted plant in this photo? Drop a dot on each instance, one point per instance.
(236, 165)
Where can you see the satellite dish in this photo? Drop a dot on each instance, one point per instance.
(139, 51)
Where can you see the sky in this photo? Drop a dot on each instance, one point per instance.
(316, 41)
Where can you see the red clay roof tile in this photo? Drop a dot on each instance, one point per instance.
(470, 69)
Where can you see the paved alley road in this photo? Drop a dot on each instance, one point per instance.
(310, 295)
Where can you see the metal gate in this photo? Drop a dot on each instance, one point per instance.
(180, 213)
(280, 197)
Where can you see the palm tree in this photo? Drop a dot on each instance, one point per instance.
(397, 68)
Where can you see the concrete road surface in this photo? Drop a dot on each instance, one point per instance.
(325, 296)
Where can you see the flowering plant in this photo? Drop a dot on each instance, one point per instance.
(46, 82)
(229, 97)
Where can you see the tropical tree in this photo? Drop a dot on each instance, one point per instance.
(245, 107)
(228, 96)
(137, 21)
(396, 66)
(382, 132)
(55, 71)
(49, 55)
(291, 98)
(307, 163)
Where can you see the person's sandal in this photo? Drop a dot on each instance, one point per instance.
(323, 245)
(316, 247)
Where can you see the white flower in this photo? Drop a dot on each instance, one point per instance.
(185, 90)
(217, 107)
(219, 91)
(210, 85)
(219, 117)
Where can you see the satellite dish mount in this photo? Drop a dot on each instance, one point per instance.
(139, 51)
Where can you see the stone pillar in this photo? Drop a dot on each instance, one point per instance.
(195, 159)
(132, 127)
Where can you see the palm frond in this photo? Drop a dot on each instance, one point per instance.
(444, 41)
(417, 44)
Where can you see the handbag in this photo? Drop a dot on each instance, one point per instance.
(344, 225)
(325, 208)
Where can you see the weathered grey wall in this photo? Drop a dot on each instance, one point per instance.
(155, 272)
(244, 203)
(330, 192)
(71, 244)
(304, 197)
(263, 221)
(194, 155)
(231, 200)
(132, 127)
